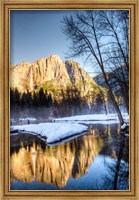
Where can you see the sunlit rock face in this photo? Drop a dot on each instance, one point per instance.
(26, 76)
(55, 164)
(79, 77)
(20, 75)
(50, 73)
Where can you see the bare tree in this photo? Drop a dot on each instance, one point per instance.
(115, 24)
(83, 29)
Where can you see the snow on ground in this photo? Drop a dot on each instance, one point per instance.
(24, 120)
(27, 119)
(92, 122)
(95, 118)
(124, 126)
(67, 126)
(53, 131)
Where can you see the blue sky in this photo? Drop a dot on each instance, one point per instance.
(35, 34)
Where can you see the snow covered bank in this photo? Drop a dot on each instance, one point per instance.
(24, 119)
(27, 118)
(52, 131)
(95, 118)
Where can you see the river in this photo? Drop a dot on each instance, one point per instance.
(98, 160)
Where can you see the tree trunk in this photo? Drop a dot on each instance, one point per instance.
(100, 62)
(104, 102)
(113, 98)
(126, 98)
(117, 170)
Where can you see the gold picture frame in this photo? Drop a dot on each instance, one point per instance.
(5, 6)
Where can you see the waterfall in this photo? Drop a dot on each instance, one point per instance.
(31, 80)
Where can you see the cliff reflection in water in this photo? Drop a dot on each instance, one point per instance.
(55, 164)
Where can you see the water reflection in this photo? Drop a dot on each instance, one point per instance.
(77, 164)
(55, 164)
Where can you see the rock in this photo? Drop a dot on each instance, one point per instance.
(53, 75)
(113, 76)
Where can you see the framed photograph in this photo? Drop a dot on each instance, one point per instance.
(69, 99)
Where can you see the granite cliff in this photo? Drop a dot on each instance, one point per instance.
(56, 77)
(52, 70)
